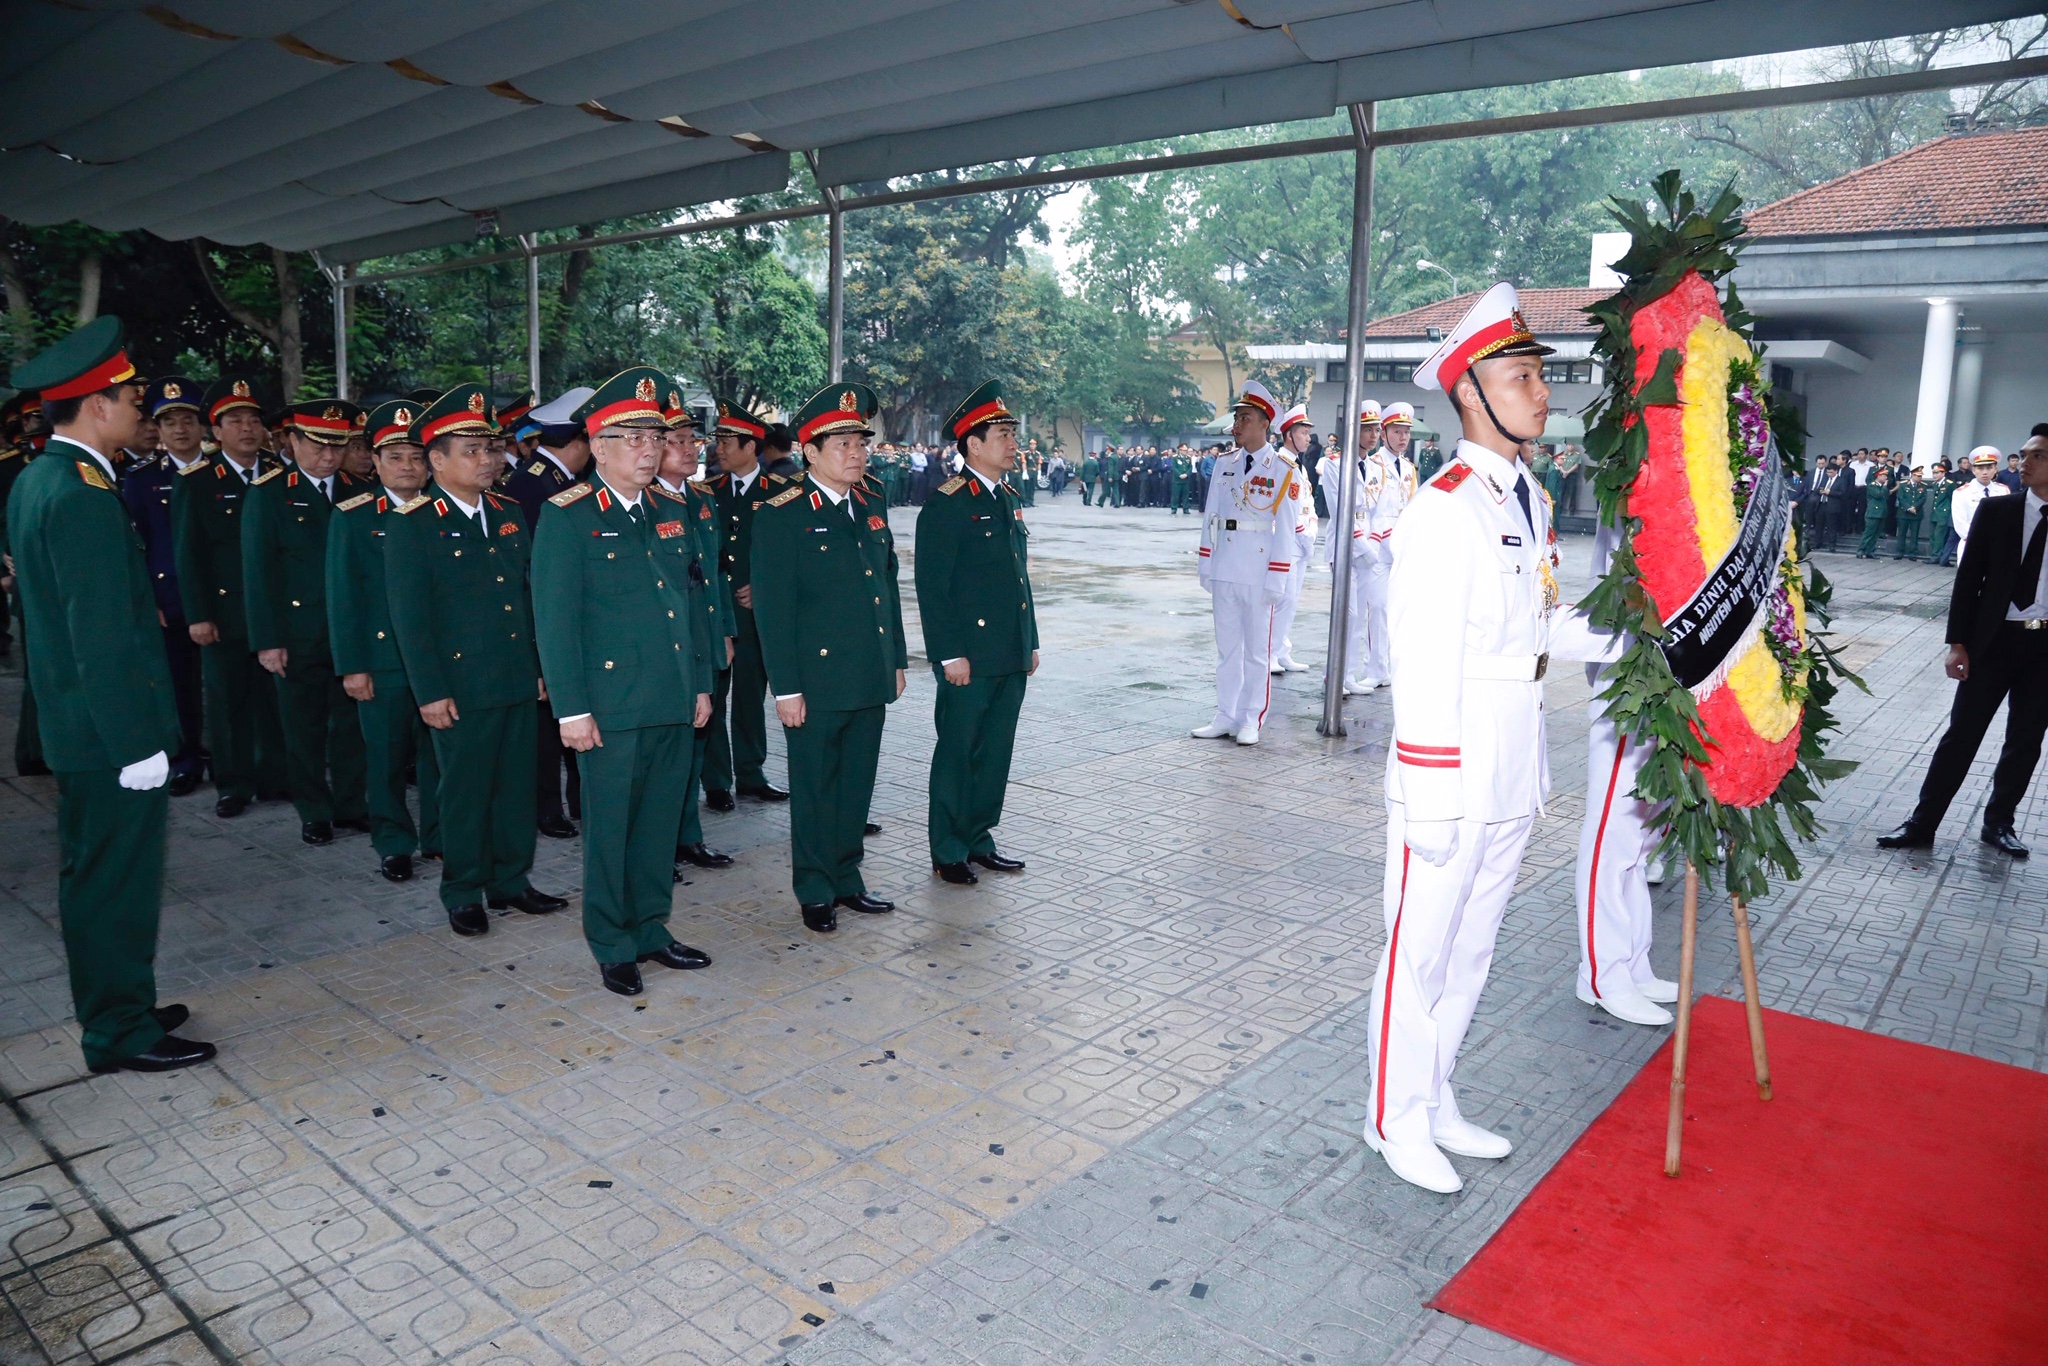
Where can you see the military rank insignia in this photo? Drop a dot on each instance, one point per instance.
(876, 523)
(667, 530)
(508, 528)
(90, 472)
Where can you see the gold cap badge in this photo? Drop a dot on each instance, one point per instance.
(174, 391)
(644, 390)
(847, 402)
(241, 388)
(476, 403)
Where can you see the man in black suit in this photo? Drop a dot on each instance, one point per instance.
(1997, 652)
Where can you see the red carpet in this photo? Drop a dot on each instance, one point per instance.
(1889, 1205)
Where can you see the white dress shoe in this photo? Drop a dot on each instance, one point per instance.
(1425, 1166)
(1293, 666)
(1368, 684)
(1215, 730)
(1456, 1134)
(1248, 734)
(1655, 872)
(1347, 687)
(1657, 989)
(1276, 668)
(1631, 1006)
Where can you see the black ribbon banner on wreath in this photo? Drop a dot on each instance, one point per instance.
(1705, 634)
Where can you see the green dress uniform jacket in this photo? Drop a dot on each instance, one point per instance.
(712, 606)
(284, 574)
(824, 577)
(244, 736)
(104, 689)
(1183, 467)
(1877, 505)
(622, 638)
(363, 641)
(742, 689)
(1938, 514)
(456, 588)
(974, 599)
(1908, 501)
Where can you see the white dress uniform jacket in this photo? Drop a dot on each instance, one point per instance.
(1963, 507)
(1251, 527)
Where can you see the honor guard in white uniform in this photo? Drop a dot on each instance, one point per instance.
(1397, 434)
(1245, 561)
(1296, 437)
(1983, 465)
(1473, 589)
(1618, 841)
(1376, 505)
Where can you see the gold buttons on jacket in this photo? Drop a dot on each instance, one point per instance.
(508, 606)
(607, 663)
(295, 602)
(671, 615)
(609, 555)
(458, 654)
(501, 578)
(979, 622)
(458, 554)
(822, 652)
(380, 635)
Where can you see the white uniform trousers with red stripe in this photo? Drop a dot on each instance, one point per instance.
(1441, 926)
(1370, 574)
(1245, 640)
(1283, 615)
(1616, 842)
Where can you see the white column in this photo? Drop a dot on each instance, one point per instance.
(1937, 366)
(1962, 419)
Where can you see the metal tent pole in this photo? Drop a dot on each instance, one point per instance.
(1354, 384)
(339, 286)
(835, 287)
(526, 243)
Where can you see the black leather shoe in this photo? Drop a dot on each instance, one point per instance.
(703, 857)
(719, 801)
(184, 784)
(469, 920)
(396, 867)
(766, 792)
(623, 978)
(674, 955)
(359, 824)
(1907, 836)
(430, 855)
(2005, 841)
(169, 1017)
(996, 863)
(871, 829)
(227, 808)
(957, 873)
(820, 916)
(870, 905)
(317, 832)
(34, 768)
(533, 901)
(165, 1055)
(556, 828)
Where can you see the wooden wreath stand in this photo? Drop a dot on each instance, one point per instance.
(1674, 1130)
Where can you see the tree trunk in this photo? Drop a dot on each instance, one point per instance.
(554, 346)
(21, 309)
(291, 348)
(90, 272)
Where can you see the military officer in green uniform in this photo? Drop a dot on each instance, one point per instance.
(1114, 465)
(284, 573)
(1030, 464)
(1877, 505)
(365, 648)
(621, 646)
(1091, 470)
(455, 563)
(208, 506)
(710, 608)
(1184, 483)
(747, 477)
(1937, 512)
(1908, 502)
(981, 634)
(831, 624)
(108, 716)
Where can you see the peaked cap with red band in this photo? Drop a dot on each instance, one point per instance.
(1369, 413)
(329, 421)
(1259, 399)
(89, 360)
(462, 411)
(1399, 415)
(837, 408)
(1294, 417)
(513, 409)
(733, 420)
(983, 405)
(389, 422)
(631, 398)
(227, 394)
(1493, 327)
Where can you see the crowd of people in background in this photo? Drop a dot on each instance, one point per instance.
(1875, 499)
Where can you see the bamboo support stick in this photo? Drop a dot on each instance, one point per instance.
(1754, 1006)
(1674, 1130)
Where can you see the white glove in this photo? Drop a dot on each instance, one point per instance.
(148, 773)
(1434, 842)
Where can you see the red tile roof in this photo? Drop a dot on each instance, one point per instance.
(1959, 182)
(1549, 313)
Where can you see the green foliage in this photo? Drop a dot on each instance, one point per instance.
(1644, 699)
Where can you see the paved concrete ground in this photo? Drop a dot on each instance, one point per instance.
(1103, 1111)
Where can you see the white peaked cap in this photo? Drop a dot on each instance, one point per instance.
(1491, 327)
(561, 412)
(1293, 418)
(1258, 398)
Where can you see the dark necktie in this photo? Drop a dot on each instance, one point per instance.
(1522, 497)
(2029, 581)
(1247, 462)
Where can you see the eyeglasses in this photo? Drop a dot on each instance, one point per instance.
(639, 440)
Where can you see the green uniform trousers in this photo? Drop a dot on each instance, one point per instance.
(1184, 496)
(1087, 492)
(970, 771)
(243, 733)
(28, 740)
(486, 793)
(394, 738)
(702, 738)
(110, 882)
(739, 697)
(633, 788)
(1873, 527)
(323, 743)
(832, 760)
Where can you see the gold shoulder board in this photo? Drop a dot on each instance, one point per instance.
(267, 475)
(419, 500)
(90, 472)
(953, 485)
(783, 497)
(572, 493)
(195, 467)
(349, 504)
(661, 490)
(702, 486)
(537, 467)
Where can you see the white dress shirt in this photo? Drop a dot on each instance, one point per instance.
(2030, 517)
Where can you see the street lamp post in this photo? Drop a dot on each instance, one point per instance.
(1431, 265)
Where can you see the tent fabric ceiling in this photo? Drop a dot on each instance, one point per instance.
(371, 127)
